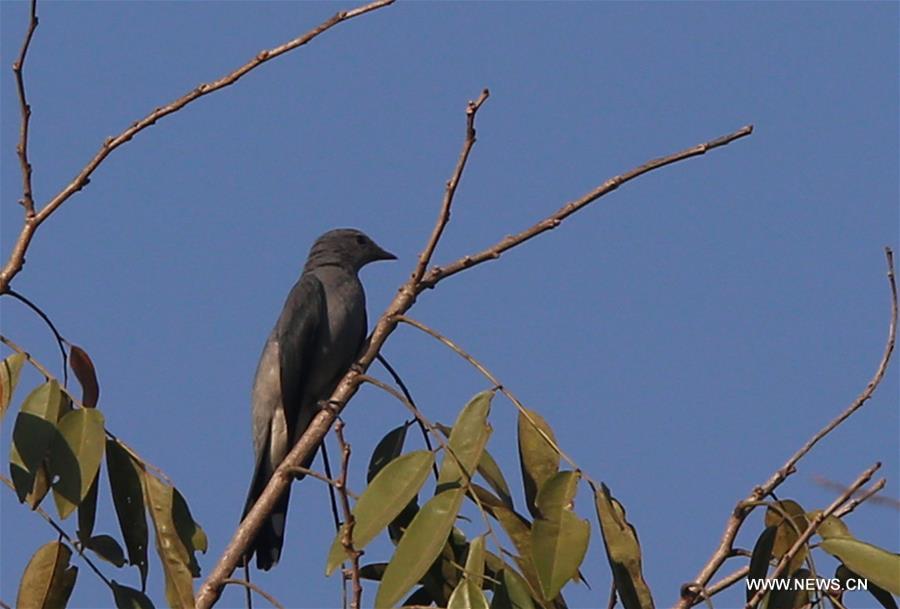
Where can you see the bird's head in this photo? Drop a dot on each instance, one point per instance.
(346, 246)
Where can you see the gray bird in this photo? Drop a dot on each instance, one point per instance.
(317, 337)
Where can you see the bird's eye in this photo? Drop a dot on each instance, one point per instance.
(360, 240)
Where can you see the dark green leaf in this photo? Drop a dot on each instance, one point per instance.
(512, 592)
(129, 598)
(884, 598)
(128, 499)
(33, 434)
(420, 545)
(190, 533)
(388, 449)
(383, 500)
(623, 551)
(84, 371)
(419, 598)
(10, 369)
(48, 579)
(759, 560)
(538, 458)
(107, 548)
(87, 512)
(373, 571)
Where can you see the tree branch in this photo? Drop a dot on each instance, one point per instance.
(18, 67)
(33, 221)
(745, 506)
(492, 253)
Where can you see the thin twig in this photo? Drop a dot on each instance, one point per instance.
(450, 189)
(390, 369)
(493, 252)
(17, 257)
(255, 588)
(305, 471)
(79, 548)
(18, 67)
(4, 605)
(349, 520)
(868, 494)
(814, 525)
(745, 506)
(60, 341)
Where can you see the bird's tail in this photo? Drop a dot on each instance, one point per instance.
(270, 537)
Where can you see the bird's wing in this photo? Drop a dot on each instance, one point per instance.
(299, 332)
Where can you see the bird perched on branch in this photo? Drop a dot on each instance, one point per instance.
(317, 337)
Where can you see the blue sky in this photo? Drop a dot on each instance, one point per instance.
(683, 335)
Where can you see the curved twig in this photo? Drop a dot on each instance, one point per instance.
(18, 67)
(60, 341)
(251, 586)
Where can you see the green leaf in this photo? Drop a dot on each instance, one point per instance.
(467, 441)
(557, 494)
(388, 449)
(467, 595)
(759, 560)
(490, 471)
(518, 528)
(420, 545)
(512, 592)
(75, 456)
(173, 554)
(107, 548)
(475, 561)
(789, 530)
(538, 457)
(419, 598)
(879, 566)
(191, 534)
(383, 500)
(558, 547)
(832, 526)
(84, 371)
(48, 579)
(128, 499)
(623, 551)
(129, 598)
(33, 434)
(10, 369)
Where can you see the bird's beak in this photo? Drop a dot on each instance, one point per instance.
(384, 255)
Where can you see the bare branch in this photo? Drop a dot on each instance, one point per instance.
(868, 494)
(32, 222)
(349, 520)
(745, 506)
(18, 67)
(450, 190)
(492, 253)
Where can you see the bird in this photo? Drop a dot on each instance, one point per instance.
(319, 333)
